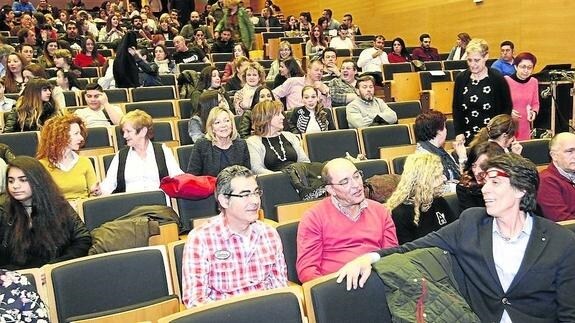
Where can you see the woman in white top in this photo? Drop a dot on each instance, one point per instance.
(141, 165)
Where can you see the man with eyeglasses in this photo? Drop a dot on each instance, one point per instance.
(511, 265)
(557, 189)
(234, 253)
(343, 225)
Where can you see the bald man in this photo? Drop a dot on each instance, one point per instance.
(557, 183)
(343, 225)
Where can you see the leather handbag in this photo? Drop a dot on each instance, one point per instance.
(188, 186)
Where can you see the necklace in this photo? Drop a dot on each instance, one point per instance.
(281, 146)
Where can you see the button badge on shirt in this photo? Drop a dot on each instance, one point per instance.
(222, 254)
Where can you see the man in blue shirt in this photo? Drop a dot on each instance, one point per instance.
(505, 63)
(23, 6)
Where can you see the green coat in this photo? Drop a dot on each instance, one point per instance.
(246, 28)
(426, 275)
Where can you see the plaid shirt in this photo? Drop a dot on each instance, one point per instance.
(219, 263)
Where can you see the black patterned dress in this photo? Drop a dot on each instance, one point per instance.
(475, 102)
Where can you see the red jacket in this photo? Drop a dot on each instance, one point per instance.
(83, 60)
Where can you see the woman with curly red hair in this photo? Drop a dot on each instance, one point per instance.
(60, 139)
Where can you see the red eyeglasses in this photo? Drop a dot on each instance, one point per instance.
(492, 174)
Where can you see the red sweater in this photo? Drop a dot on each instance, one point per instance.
(83, 60)
(327, 239)
(556, 195)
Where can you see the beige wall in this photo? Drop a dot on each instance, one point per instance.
(541, 27)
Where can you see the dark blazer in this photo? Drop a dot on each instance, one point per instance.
(207, 159)
(543, 289)
(273, 22)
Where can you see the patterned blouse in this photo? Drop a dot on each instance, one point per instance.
(19, 301)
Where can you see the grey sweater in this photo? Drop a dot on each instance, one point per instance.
(360, 113)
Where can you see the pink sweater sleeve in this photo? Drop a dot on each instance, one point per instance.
(309, 247)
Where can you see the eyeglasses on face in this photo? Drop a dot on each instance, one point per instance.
(257, 193)
(493, 173)
(357, 176)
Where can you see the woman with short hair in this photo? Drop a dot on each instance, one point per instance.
(271, 148)
(221, 147)
(141, 164)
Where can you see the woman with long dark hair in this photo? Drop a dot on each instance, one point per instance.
(261, 94)
(399, 54)
(317, 41)
(311, 117)
(33, 108)
(37, 225)
(14, 79)
(47, 58)
(89, 56)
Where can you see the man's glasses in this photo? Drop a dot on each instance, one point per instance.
(492, 174)
(357, 176)
(257, 193)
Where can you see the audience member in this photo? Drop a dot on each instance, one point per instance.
(225, 44)
(235, 83)
(367, 110)
(99, 113)
(330, 68)
(557, 190)
(285, 52)
(210, 80)
(166, 29)
(479, 94)
(239, 49)
(5, 50)
(416, 204)
(112, 30)
(472, 178)
(199, 41)
(141, 164)
(267, 20)
(458, 51)
(22, 6)
(65, 81)
(208, 100)
(343, 89)
(89, 56)
(502, 251)
(341, 226)
(261, 94)
(63, 60)
(220, 148)
(164, 64)
(283, 148)
(252, 76)
(60, 140)
(38, 226)
(250, 250)
(291, 27)
(305, 23)
(425, 52)
(27, 52)
(348, 21)
(524, 91)
(14, 80)
(288, 68)
(371, 59)
(33, 108)
(72, 36)
(183, 54)
(311, 117)
(343, 39)
(316, 43)
(501, 130)
(291, 89)
(399, 52)
(332, 24)
(430, 134)
(47, 58)
(505, 64)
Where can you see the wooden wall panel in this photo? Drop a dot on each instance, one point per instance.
(541, 27)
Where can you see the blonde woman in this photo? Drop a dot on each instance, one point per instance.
(285, 53)
(252, 77)
(416, 204)
(220, 148)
